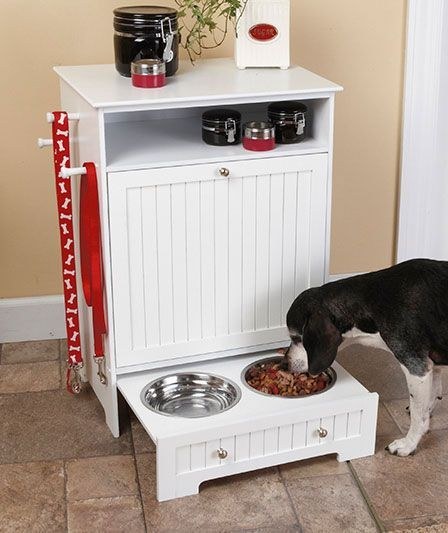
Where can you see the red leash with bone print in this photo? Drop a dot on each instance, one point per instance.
(61, 152)
(90, 243)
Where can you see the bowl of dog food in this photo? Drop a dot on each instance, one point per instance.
(190, 395)
(268, 377)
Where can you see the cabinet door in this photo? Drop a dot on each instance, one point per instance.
(206, 262)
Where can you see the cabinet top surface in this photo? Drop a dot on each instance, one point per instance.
(209, 81)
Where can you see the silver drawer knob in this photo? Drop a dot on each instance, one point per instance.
(224, 171)
(322, 432)
(222, 454)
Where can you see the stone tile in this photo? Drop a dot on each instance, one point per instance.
(56, 425)
(29, 377)
(330, 503)
(286, 529)
(30, 351)
(63, 349)
(403, 487)
(142, 441)
(317, 466)
(32, 497)
(247, 501)
(439, 418)
(101, 477)
(386, 425)
(121, 514)
(423, 524)
(377, 370)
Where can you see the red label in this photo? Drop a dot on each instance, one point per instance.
(263, 32)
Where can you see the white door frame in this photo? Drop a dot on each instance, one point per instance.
(423, 202)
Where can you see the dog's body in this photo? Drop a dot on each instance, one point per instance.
(403, 309)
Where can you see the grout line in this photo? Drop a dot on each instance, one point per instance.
(67, 459)
(389, 412)
(140, 497)
(370, 507)
(65, 493)
(291, 502)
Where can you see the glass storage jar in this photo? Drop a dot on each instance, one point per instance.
(145, 32)
(291, 121)
(221, 127)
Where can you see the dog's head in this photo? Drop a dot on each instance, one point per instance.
(314, 337)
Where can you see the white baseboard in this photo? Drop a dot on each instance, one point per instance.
(32, 319)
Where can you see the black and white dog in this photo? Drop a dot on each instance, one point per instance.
(402, 309)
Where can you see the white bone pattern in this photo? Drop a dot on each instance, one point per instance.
(66, 203)
(64, 229)
(72, 298)
(70, 322)
(62, 118)
(69, 260)
(68, 243)
(60, 132)
(68, 284)
(60, 144)
(74, 336)
(62, 187)
(69, 272)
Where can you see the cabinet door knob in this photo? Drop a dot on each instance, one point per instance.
(322, 432)
(222, 454)
(224, 171)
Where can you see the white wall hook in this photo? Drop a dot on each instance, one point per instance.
(66, 172)
(44, 142)
(71, 116)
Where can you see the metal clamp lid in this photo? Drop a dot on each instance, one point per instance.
(167, 38)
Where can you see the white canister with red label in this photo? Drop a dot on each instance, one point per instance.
(263, 34)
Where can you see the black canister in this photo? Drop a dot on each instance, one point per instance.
(291, 121)
(221, 127)
(145, 32)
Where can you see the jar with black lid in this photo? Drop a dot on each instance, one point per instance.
(145, 32)
(221, 127)
(291, 121)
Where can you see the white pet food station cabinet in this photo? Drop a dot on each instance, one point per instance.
(204, 250)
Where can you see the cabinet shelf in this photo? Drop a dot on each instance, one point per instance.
(144, 144)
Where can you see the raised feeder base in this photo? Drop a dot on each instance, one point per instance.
(257, 432)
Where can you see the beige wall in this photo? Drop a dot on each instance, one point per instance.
(356, 43)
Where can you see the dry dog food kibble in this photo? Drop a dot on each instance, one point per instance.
(271, 379)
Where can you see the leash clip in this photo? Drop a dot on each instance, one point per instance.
(74, 381)
(101, 374)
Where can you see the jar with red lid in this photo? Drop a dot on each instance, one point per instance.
(258, 136)
(148, 73)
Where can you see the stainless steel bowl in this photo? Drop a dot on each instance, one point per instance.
(331, 373)
(192, 395)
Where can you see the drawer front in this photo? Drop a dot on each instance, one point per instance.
(205, 262)
(270, 441)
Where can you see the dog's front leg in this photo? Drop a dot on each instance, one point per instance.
(420, 395)
(436, 386)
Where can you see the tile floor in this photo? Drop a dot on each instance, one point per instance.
(61, 470)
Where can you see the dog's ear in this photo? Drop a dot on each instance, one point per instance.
(321, 339)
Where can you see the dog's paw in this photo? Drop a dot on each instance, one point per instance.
(402, 447)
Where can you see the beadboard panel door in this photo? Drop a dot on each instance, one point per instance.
(205, 262)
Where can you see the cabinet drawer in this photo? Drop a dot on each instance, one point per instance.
(207, 260)
(269, 441)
